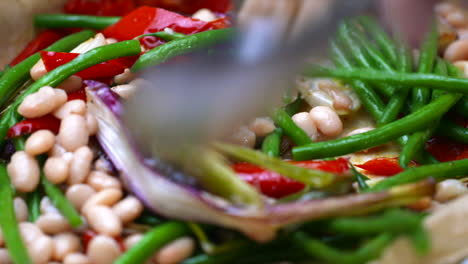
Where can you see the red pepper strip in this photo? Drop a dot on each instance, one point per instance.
(107, 69)
(190, 6)
(445, 150)
(274, 185)
(78, 95)
(29, 126)
(100, 7)
(42, 41)
(383, 166)
(147, 19)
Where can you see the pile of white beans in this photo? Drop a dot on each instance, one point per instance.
(87, 181)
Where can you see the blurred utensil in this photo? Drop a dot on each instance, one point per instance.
(205, 98)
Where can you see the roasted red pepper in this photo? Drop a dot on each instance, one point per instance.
(147, 19)
(446, 150)
(190, 6)
(100, 7)
(32, 125)
(274, 185)
(383, 166)
(106, 69)
(42, 41)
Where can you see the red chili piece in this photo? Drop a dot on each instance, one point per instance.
(277, 186)
(78, 95)
(106, 69)
(382, 166)
(147, 19)
(32, 125)
(42, 41)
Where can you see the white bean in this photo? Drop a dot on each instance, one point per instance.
(71, 84)
(80, 165)
(457, 50)
(5, 256)
(53, 223)
(56, 151)
(359, 131)
(176, 251)
(56, 170)
(38, 70)
(65, 244)
(106, 197)
(327, 121)
(47, 207)
(103, 250)
(305, 122)
(77, 107)
(457, 19)
(262, 126)
(76, 258)
(39, 142)
(124, 77)
(111, 41)
(73, 132)
(243, 137)
(29, 231)
(102, 165)
(449, 189)
(205, 14)
(78, 194)
(100, 181)
(41, 249)
(91, 124)
(97, 41)
(104, 220)
(43, 102)
(125, 90)
(23, 171)
(21, 209)
(128, 209)
(132, 240)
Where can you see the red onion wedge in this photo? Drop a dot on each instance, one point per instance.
(177, 201)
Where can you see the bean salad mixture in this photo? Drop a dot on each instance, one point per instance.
(366, 162)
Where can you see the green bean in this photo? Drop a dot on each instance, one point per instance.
(441, 171)
(74, 21)
(461, 108)
(366, 93)
(164, 35)
(359, 178)
(449, 84)
(33, 200)
(420, 240)
(345, 37)
(59, 200)
(384, 41)
(364, 226)
(417, 140)
(427, 58)
(317, 249)
(396, 103)
(314, 178)
(271, 143)
(181, 46)
(152, 241)
(11, 234)
(57, 76)
(452, 130)
(14, 77)
(284, 121)
(294, 107)
(414, 122)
